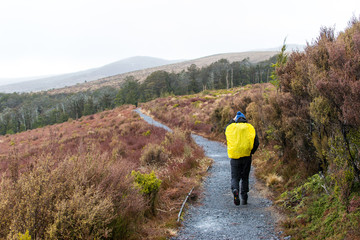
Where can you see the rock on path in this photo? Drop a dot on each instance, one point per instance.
(216, 216)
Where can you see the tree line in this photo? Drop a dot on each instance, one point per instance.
(24, 111)
(21, 112)
(219, 75)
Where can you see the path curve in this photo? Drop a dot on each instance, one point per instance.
(216, 216)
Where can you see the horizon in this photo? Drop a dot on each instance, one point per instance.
(33, 77)
(29, 78)
(38, 40)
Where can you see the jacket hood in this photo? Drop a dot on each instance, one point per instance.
(241, 120)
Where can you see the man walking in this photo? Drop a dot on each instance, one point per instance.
(242, 142)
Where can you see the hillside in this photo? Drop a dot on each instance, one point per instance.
(112, 74)
(116, 80)
(70, 79)
(105, 176)
(8, 81)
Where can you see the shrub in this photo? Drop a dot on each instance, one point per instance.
(148, 185)
(86, 214)
(25, 236)
(77, 198)
(147, 133)
(220, 117)
(153, 154)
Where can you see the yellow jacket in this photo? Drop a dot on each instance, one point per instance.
(240, 139)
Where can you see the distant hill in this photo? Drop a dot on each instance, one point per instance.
(7, 81)
(114, 73)
(70, 79)
(116, 80)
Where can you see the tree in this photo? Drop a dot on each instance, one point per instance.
(75, 106)
(129, 92)
(156, 84)
(220, 71)
(193, 72)
(280, 61)
(205, 78)
(89, 107)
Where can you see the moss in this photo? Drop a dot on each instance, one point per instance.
(316, 213)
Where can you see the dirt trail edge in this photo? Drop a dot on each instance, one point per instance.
(216, 216)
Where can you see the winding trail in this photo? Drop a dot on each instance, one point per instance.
(216, 216)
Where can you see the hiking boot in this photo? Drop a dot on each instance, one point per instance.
(236, 197)
(244, 199)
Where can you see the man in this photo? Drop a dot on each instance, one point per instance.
(242, 142)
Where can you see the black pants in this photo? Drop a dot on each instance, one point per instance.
(240, 169)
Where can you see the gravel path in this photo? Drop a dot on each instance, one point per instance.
(216, 216)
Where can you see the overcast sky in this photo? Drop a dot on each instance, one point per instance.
(41, 37)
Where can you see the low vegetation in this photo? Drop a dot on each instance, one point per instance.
(86, 179)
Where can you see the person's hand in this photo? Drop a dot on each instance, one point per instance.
(234, 118)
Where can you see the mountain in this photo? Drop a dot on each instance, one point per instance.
(114, 73)
(70, 79)
(116, 80)
(7, 81)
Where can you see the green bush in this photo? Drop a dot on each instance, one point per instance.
(148, 185)
(147, 133)
(25, 236)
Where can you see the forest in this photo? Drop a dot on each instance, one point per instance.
(23, 111)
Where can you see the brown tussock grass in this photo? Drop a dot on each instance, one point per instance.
(273, 179)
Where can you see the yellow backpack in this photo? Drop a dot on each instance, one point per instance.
(240, 139)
